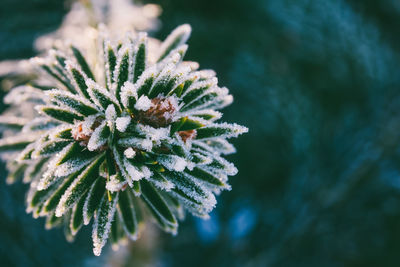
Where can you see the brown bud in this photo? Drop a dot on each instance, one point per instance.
(160, 114)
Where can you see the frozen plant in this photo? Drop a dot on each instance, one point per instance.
(139, 139)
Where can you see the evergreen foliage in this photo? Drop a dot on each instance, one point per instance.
(137, 135)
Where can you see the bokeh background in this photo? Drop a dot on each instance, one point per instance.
(318, 84)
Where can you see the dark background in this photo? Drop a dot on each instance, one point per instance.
(318, 85)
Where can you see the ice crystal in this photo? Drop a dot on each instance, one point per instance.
(141, 134)
(143, 103)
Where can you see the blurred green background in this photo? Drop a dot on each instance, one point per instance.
(318, 84)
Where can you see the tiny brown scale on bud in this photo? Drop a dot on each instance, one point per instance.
(79, 134)
(160, 114)
(187, 135)
(124, 187)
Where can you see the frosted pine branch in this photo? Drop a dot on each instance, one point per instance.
(142, 135)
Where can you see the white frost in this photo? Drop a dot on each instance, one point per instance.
(181, 33)
(172, 162)
(143, 103)
(114, 184)
(122, 123)
(209, 83)
(96, 140)
(129, 153)
(136, 173)
(221, 146)
(128, 90)
(100, 238)
(121, 166)
(140, 143)
(154, 134)
(70, 167)
(111, 116)
(48, 177)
